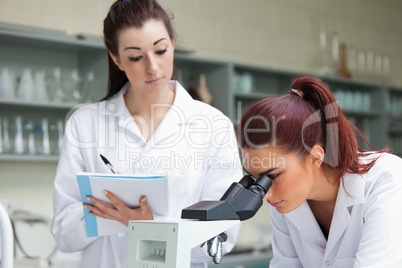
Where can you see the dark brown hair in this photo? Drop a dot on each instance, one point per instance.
(296, 123)
(121, 16)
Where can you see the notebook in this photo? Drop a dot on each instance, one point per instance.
(128, 188)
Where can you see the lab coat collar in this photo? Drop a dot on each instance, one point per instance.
(309, 227)
(116, 105)
(351, 190)
(350, 193)
(175, 119)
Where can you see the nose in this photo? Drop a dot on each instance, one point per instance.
(268, 195)
(152, 65)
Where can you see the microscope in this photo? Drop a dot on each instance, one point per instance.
(168, 243)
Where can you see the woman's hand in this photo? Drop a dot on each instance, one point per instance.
(119, 212)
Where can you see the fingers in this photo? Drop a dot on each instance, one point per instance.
(115, 201)
(145, 211)
(120, 212)
(98, 209)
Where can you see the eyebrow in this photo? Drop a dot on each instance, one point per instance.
(137, 48)
(262, 173)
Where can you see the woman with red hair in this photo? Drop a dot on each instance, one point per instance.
(333, 203)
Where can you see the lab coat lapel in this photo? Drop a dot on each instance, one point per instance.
(309, 228)
(171, 129)
(116, 111)
(350, 193)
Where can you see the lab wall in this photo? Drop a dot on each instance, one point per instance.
(274, 33)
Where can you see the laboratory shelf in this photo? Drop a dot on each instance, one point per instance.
(252, 96)
(368, 114)
(29, 47)
(28, 158)
(36, 104)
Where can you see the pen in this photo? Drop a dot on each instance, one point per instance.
(107, 163)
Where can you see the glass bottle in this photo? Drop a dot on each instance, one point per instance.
(203, 90)
(6, 84)
(6, 142)
(352, 60)
(26, 87)
(18, 138)
(46, 140)
(386, 70)
(322, 62)
(56, 85)
(87, 85)
(40, 86)
(343, 70)
(370, 66)
(1, 135)
(42, 142)
(28, 136)
(60, 132)
(361, 65)
(335, 51)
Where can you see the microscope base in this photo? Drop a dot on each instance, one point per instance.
(168, 244)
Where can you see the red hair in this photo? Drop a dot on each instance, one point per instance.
(295, 123)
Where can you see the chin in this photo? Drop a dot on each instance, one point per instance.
(284, 210)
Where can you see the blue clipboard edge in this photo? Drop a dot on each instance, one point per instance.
(85, 189)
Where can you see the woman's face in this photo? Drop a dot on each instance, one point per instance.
(292, 178)
(146, 56)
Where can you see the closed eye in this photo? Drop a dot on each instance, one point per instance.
(160, 52)
(135, 58)
(273, 176)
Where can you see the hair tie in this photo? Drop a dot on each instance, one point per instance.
(126, 0)
(297, 92)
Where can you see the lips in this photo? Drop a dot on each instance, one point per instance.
(154, 81)
(276, 204)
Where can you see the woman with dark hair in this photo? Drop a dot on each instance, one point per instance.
(333, 203)
(147, 123)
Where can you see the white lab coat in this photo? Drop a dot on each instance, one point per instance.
(365, 229)
(195, 143)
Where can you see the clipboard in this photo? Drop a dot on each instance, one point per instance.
(128, 188)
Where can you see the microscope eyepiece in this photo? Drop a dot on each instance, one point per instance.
(247, 181)
(264, 182)
(261, 185)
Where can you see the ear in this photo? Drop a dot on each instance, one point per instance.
(317, 156)
(116, 60)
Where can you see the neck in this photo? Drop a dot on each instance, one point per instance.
(326, 186)
(139, 103)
